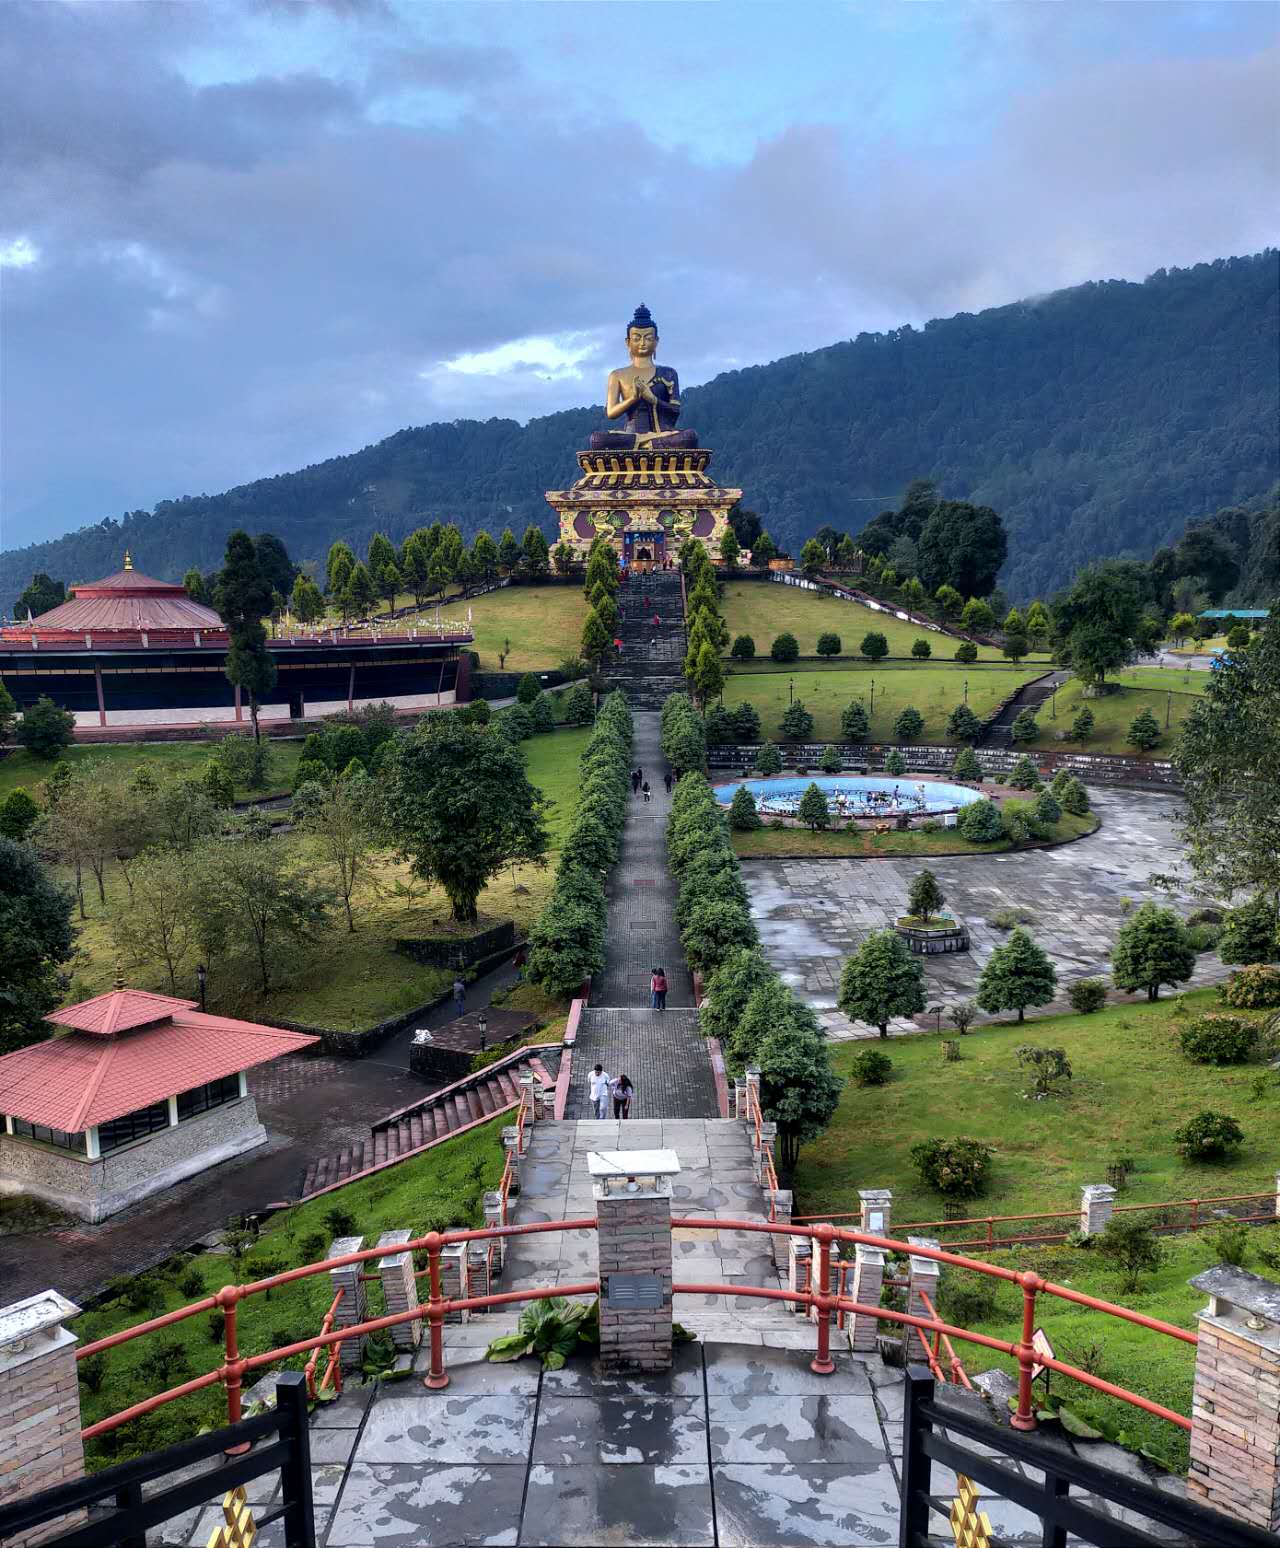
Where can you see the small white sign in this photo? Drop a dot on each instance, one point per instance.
(1040, 1343)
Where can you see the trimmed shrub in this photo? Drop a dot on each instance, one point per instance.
(744, 648)
(909, 726)
(1075, 798)
(854, 725)
(921, 650)
(1144, 732)
(1023, 775)
(829, 645)
(797, 723)
(895, 763)
(1256, 987)
(871, 1067)
(785, 647)
(875, 647)
(1082, 726)
(1249, 933)
(963, 725)
(1209, 1136)
(830, 763)
(743, 816)
(981, 823)
(1047, 809)
(967, 652)
(746, 723)
(966, 767)
(1218, 1040)
(1087, 995)
(1025, 727)
(769, 759)
(955, 1168)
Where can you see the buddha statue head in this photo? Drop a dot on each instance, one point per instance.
(642, 334)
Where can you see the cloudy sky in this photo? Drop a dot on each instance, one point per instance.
(238, 238)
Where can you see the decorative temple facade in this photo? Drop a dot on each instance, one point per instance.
(645, 488)
(129, 650)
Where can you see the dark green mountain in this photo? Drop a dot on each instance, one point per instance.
(1096, 420)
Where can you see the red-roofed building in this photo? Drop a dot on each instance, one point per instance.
(128, 650)
(139, 1091)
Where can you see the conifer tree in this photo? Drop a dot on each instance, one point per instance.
(1152, 948)
(854, 724)
(880, 981)
(813, 810)
(1017, 974)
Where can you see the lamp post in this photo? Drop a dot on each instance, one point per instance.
(1168, 708)
(484, 1032)
(1053, 705)
(936, 1012)
(791, 690)
(966, 690)
(873, 695)
(202, 978)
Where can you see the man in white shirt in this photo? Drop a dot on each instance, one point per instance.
(600, 1083)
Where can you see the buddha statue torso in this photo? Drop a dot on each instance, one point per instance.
(644, 395)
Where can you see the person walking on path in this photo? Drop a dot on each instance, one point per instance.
(635, 781)
(459, 996)
(644, 791)
(666, 780)
(623, 1091)
(599, 1084)
(659, 986)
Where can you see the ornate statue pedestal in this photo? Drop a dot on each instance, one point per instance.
(645, 502)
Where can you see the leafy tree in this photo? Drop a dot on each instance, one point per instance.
(854, 724)
(42, 595)
(768, 760)
(1017, 974)
(963, 725)
(714, 927)
(829, 645)
(1238, 637)
(46, 729)
(880, 981)
(1013, 623)
(1050, 1068)
(1082, 725)
(185, 814)
(1038, 625)
(1229, 758)
(976, 617)
(359, 594)
(966, 767)
(1144, 731)
(746, 723)
(763, 551)
(846, 555)
(1180, 626)
(949, 600)
(484, 553)
(160, 923)
(18, 815)
(743, 816)
(1130, 1244)
(813, 810)
(1250, 932)
(966, 652)
(798, 1089)
(305, 600)
(925, 897)
(578, 705)
(243, 600)
(460, 808)
(921, 649)
(343, 827)
(194, 586)
(894, 762)
(1098, 619)
(537, 555)
(35, 939)
(744, 648)
(813, 557)
(1152, 948)
(8, 713)
(797, 723)
(1026, 728)
(728, 990)
(1015, 646)
(874, 646)
(388, 582)
(962, 545)
(909, 726)
(785, 648)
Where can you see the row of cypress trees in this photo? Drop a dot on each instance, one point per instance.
(566, 944)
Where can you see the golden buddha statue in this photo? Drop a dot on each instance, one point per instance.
(644, 394)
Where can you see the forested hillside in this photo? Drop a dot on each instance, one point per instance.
(1096, 420)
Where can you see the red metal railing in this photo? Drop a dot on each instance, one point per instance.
(1196, 1216)
(333, 1370)
(819, 1297)
(768, 1173)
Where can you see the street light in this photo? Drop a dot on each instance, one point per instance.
(791, 690)
(873, 695)
(484, 1032)
(966, 690)
(202, 977)
(936, 1010)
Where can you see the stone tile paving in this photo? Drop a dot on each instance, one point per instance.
(813, 914)
(662, 1052)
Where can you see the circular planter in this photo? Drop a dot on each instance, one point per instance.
(934, 942)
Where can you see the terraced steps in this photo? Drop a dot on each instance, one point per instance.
(493, 1090)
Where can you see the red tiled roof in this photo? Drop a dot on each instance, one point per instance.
(118, 1010)
(83, 1079)
(129, 600)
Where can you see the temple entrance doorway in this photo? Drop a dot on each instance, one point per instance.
(644, 551)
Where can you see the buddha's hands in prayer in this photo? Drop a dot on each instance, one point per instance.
(644, 391)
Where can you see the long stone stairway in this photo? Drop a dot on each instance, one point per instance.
(649, 668)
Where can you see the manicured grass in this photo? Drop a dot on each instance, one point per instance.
(441, 1189)
(1165, 679)
(1151, 1364)
(1114, 713)
(800, 844)
(164, 759)
(342, 980)
(764, 609)
(933, 690)
(1130, 1090)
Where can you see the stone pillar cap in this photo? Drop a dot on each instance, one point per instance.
(1239, 1288)
(342, 1245)
(40, 1313)
(632, 1163)
(924, 1265)
(1098, 1191)
(875, 1195)
(865, 1253)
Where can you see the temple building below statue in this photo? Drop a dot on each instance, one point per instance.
(645, 487)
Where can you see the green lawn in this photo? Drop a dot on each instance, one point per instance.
(933, 690)
(1148, 1363)
(1165, 679)
(1131, 1089)
(764, 609)
(800, 844)
(343, 980)
(19, 767)
(1113, 713)
(433, 1192)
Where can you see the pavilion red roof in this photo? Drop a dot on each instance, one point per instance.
(114, 1064)
(129, 600)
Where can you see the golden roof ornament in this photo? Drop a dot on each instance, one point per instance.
(128, 560)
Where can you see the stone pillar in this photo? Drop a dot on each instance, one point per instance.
(799, 1270)
(493, 1213)
(1278, 1195)
(351, 1308)
(922, 1276)
(868, 1281)
(759, 1153)
(529, 1090)
(740, 1112)
(40, 1444)
(783, 1202)
(633, 1232)
(453, 1271)
(399, 1289)
(752, 1077)
(1097, 1200)
(877, 1207)
(1235, 1404)
(511, 1145)
(478, 1271)
(539, 1101)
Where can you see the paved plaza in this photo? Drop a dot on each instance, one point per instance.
(813, 914)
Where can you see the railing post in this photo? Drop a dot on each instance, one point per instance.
(229, 1299)
(913, 1523)
(1278, 1195)
(437, 1377)
(453, 1270)
(399, 1289)
(1025, 1418)
(511, 1144)
(633, 1240)
(799, 1271)
(742, 1112)
(351, 1308)
(495, 1215)
(1097, 1200)
(876, 1209)
(822, 1364)
(295, 1471)
(762, 1153)
(1235, 1404)
(39, 1406)
(780, 1203)
(868, 1281)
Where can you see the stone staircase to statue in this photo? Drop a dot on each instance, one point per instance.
(650, 667)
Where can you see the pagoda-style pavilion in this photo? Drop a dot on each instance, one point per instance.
(139, 1091)
(129, 650)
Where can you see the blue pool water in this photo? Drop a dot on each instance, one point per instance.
(863, 794)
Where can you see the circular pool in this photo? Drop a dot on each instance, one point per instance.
(855, 795)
